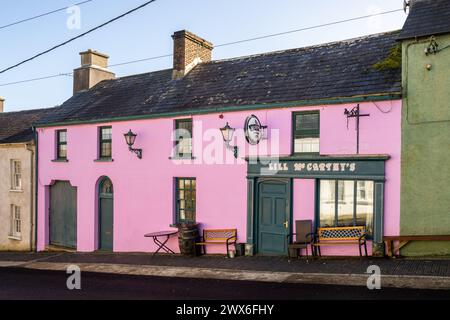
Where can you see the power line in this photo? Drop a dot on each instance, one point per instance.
(77, 37)
(37, 79)
(220, 45)
(42, 15)
(140, 60)
(308, 28)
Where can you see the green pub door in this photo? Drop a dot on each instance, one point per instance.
(274, 217)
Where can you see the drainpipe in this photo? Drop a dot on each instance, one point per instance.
(32, 202)
(36, 179)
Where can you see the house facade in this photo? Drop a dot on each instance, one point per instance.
(17, 183)
(425, 205)
(317, 137)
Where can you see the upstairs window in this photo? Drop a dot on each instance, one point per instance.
(16, 223)
(306, 132)
(61, 145)
(16, 175)
(105, 147)
(183, 138)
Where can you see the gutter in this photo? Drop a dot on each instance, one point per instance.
(224, 109)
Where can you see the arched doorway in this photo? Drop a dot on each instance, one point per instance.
(106, 215)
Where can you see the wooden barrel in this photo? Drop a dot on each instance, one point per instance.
(188, 235)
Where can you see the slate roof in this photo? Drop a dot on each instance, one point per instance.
(16, 127)
(427, 18)
(333, 70)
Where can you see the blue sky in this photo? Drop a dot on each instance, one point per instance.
(147, 33)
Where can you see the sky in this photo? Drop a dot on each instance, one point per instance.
(147, 33)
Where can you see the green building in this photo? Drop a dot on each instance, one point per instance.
(425, 203)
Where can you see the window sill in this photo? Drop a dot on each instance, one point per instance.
(60, 161)
(16, 191)
(178, 224)
(15, 238)
(183, 158)
(106, 160)
(305, 154)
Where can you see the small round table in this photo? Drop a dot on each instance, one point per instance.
(162, 243)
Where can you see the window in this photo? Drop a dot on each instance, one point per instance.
(306, 132)
(346, 204)
(105, 148)
(16, 175)
(183, 138)
(61, 144)
(185, 200)
(16, 222)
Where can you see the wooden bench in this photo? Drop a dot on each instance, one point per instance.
(222, 236)
(404, 240)
(341, 236)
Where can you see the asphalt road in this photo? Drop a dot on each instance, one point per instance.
(22, 284)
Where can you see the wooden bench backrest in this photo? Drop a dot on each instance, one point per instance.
(220, 234)
(339, 234)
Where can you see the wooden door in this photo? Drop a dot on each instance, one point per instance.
(63, 215)
(274, 218)
(106, 215)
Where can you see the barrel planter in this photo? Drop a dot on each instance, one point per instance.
(188, 235)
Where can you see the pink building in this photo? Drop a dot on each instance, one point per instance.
(310, 163)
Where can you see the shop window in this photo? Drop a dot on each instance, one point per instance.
(186, 194)
(346, 204)
(306, 132)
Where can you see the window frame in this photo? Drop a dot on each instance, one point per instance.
(177, 155)
(14, 175)
(15, 222)
(178, 200)
(102, 141)
(297, 135)
(59, 143)
(337, 201)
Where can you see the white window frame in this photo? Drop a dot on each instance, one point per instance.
(16, 223)
(16, 176)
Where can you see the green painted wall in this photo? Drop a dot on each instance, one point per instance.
(425, 199)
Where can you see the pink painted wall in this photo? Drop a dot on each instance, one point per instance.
(144, 189)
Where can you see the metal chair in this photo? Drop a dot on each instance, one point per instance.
(304, 237)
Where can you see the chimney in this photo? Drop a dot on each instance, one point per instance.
(189, 50)
(94, 69)
(2, 104)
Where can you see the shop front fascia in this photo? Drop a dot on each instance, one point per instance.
(354, 168)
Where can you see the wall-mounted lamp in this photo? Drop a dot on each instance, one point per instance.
(130, 138)
(228, 133)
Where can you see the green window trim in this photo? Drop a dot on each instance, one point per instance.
(61, 145)
(305, 133)
(183, 126)
(105, 143)
(185, 200)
